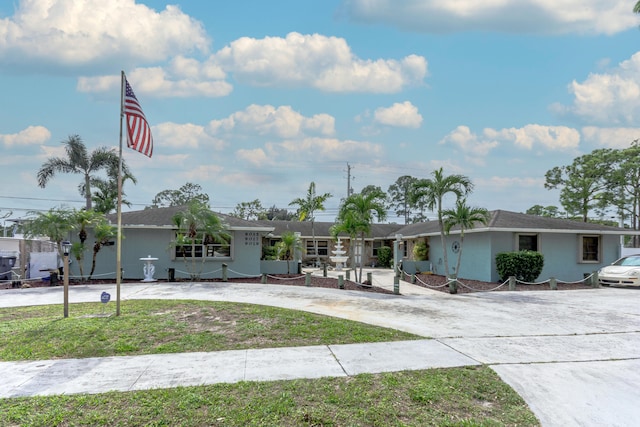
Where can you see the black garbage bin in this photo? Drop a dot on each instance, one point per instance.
(6, 264)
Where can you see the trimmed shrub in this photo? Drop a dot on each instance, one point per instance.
(526, 266)
(385, 256)
(421, 251)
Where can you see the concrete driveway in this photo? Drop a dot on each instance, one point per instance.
(572, 355)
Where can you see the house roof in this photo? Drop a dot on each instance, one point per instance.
(323, 229)
(501, 220)
(162, 218)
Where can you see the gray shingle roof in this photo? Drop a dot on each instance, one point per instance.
(162, 217)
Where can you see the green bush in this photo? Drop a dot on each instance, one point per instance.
(526, 266)
(385, 256)
(269, 253)
(421, 251)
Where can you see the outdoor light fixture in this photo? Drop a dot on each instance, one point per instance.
(66, 247)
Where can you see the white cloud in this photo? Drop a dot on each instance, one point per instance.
(611, 137)
(203, 173)
(612, 97)
(511, 16)
(30, 136)
(399, 115)
(281, 122)
(256, 156)
(75, 33)
(559, 138)
(327, 149)
(474, 147)
(183, 78)
(184, 136)
(325, 63)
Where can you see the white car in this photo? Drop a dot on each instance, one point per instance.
(623, 272)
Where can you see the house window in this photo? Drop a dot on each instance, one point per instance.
(589, 248)
(208, 249)
(527, 242)
(377, 244)
(323, 248)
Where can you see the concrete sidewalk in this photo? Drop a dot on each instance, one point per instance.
(572, 355)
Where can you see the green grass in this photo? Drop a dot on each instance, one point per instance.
(469, 396)
(153, 327)
(472, 396)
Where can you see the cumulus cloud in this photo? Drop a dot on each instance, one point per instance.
(559, 138)
(612, 97)
(185, 136)
(399, 115)
(511, 16)
(281, 122)
(476, 147)
(32, 135)
(73, 33)
(325, 63)
(323, 149)
(610, 137)
(183, 77)
(255, 157)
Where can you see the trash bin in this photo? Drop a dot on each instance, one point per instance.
(53, 278)
(6, 264)
(171, 274)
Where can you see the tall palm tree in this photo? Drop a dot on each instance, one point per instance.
(79, 161)
(198, 225)
(464, 217)
(636, 8)
(357, 214)
(306, 209)
(432, 191)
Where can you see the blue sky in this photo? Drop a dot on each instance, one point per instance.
(254, 100)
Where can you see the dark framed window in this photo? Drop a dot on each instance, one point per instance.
(527, 242)
(207, 249)
(589, 248)
(323, 247)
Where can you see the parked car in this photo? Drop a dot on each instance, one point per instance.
(623, 272)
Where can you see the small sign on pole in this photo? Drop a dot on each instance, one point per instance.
(105, 297)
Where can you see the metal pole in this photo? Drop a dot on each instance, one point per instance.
(66, 285)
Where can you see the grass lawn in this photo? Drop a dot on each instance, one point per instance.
(471, 396)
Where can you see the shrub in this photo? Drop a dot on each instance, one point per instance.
(269, 253)
(385, 256)
(524, 265)
(421, 251)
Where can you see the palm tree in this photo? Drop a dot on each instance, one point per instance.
(432, 191)
(56, 224)
(306, 209)
(464, 217)
(103, 232)
(197, 225)
(79, 161)
(288, 245)
(356, 216)
(636, 8)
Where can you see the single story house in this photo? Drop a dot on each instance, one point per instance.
(150, 233)
(571, 249)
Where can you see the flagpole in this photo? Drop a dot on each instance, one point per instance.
(119, 204)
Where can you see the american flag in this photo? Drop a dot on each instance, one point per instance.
(138, 131)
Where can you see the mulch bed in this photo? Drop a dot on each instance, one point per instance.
(429, 281)
(436, 282)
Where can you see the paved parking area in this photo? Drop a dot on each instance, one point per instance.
(572, 355)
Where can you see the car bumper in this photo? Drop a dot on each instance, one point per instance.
(618, 281)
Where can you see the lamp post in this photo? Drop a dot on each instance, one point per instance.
(396, 254)
(66, 247)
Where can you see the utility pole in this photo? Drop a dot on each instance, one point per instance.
(349, 189)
